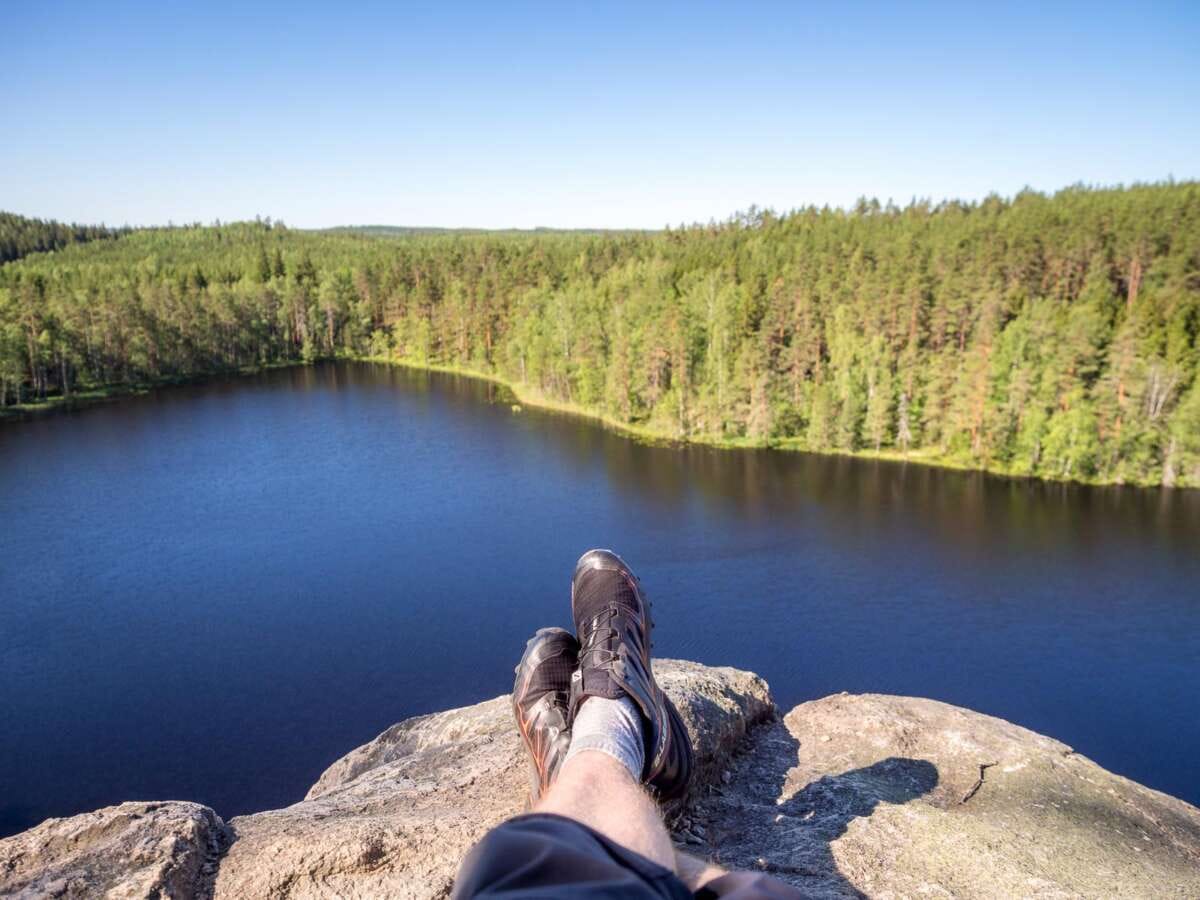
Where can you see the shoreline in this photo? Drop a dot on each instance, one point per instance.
(21, 412)
(526, 396)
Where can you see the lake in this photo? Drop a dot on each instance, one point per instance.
(212, 592)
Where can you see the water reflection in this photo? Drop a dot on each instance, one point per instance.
(970, 509)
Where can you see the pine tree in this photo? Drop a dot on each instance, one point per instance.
(264, 266)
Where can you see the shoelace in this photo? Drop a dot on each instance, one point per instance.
(604, 657)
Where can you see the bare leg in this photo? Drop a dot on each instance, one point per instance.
(595, 789)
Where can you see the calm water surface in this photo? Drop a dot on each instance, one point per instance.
(213, 592)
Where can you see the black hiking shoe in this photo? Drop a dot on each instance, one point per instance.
(541, 693)
(612, 620)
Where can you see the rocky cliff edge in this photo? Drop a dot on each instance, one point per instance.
(848, 796)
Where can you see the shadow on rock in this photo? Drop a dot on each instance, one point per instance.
(826, 807)
(759, 820)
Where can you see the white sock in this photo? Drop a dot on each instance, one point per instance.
(613, 727)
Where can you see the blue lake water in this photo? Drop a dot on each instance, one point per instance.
(212, 592)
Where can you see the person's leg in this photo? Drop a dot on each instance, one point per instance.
(617, 712)
(597, 790)
(597, 728)
(594, 832)
(548, 855)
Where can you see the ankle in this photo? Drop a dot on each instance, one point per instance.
(611, 727)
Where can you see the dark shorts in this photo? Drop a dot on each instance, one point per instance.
(541, 855)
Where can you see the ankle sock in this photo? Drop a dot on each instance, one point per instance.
(613, 727)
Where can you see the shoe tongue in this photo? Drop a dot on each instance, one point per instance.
(599, 683)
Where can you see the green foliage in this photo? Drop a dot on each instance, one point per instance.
(20, 236)
(1054, 336)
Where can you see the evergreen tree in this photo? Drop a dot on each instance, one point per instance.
(1054, 336)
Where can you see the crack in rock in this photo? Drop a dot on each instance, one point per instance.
(983, 767)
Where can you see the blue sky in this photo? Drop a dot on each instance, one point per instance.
(575, 115)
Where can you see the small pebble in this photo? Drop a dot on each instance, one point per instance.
(726, 777)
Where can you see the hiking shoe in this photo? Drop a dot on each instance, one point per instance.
(612, 621)
(540, 697)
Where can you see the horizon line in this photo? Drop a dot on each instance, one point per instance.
(744, 213)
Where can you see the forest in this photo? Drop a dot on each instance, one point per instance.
(20, 236)
(1055, 336)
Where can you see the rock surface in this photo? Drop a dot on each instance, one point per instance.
(396, 816)
(131, 850)
(881, 796)
(848, 796)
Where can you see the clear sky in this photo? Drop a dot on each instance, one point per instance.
(578, 114)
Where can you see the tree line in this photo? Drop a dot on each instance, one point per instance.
(20, 236)
(1045, 335)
